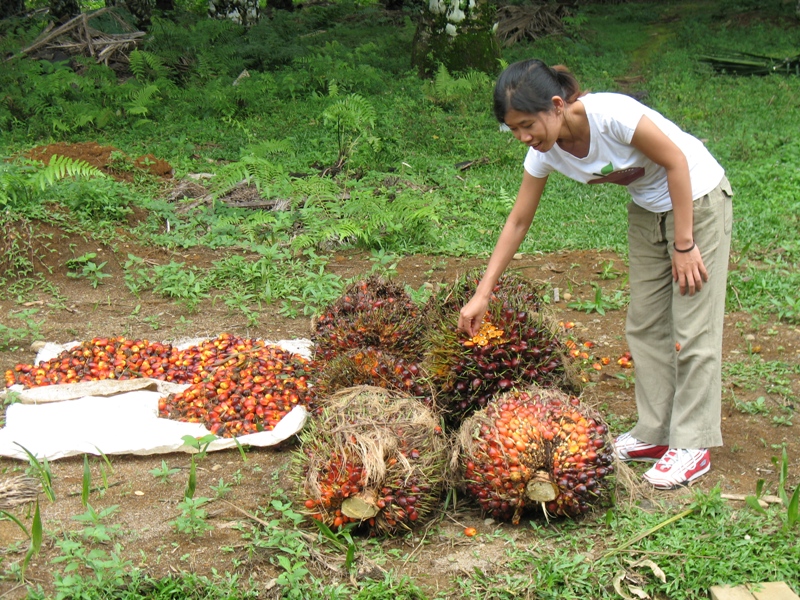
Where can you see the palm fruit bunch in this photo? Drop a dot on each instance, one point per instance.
(534, 448)
(371, 313)
(247, 390)
(518, 344)
(375, 367)
(97, 359)
(375, 457)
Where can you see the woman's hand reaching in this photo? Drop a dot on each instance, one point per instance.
(471, 315)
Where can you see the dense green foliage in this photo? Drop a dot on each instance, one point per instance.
(328, 90)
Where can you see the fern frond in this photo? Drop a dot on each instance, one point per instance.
(447, 89)
(141, 99)
(147, 66)
(270, 179)
(443, 83)
(316, 188)
(332, 232)
(229, 177)
(61, 167)
(351, 113)
(269, 148)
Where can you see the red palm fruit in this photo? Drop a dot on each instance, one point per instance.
(226, 399)
(96, 359)
(372, 366)
(533, 449)
(518, 344)
(373, 457)
(374, 313)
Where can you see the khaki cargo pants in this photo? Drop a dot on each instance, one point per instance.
(678, 393)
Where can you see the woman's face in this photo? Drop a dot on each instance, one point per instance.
(539, 131)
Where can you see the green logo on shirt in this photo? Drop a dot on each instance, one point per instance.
(607, 170)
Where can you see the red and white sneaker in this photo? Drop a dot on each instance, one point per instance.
(678, 467)
(628, 447)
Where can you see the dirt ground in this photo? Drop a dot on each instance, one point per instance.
(146, 506)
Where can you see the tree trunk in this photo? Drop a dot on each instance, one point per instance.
(243, 12)
(63, 10)
(458, 34)
(141, 10)
(10, 8)
(281, 4)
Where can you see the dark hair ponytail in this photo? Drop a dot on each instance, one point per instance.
(529, 86)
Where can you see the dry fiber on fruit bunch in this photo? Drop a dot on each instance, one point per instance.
(374, 457)
(376, 367)
(371, 313)
(247, 391)
(18, 490)
(532, 450)
(518, 344)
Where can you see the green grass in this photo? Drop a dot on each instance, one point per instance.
(707, 543)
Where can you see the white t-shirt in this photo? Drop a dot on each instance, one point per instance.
(611, 159)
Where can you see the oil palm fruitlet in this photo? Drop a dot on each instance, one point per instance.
(374, 457)
(518, 344)
(245, 391)
(532, 450)
(371, 313)
(236, 385)
(375, 367)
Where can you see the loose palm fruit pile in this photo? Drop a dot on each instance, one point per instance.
(371, 366)
(237, 385)
(101, 358)
(374, 457)
(245, 392)
(122, 358)
(517, 345)
(534, 449)
(372, 313)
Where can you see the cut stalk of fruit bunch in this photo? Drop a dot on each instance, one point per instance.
(371, 313)
(518, 344)
(532, 449)
(373, 457)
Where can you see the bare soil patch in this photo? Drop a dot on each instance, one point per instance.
(147, 506)
(108, 159)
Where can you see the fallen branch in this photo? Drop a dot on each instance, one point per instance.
(763, 501)
(85, 39)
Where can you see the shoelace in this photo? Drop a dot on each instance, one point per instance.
(666, 461)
